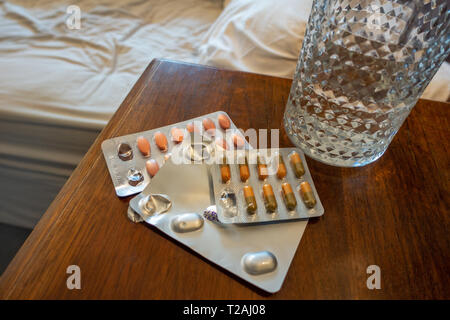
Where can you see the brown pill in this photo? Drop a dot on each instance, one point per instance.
(289, 196)
(307, 195)
(281, 172)
(250, 199)
(224, 122)
(222, 143)
(177, 135)
(143, 146)
(161, 141)
(297, 165)
(191, 127)
(238, 141)
(152, 167)
(225, 172)
(209, 126)
(262, 169)
(269, 198)
(244, 172)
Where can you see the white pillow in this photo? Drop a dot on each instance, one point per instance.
(262, 36)
(265, 36)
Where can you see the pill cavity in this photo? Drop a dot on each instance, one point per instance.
(297, 164)
(256, 263)
(224, 121)
(250, 200)
(143, 146)
(161, 141)
(134, 177)
(152, 167)
(197, 152)
(209, 126)
(222, 143)
(238, 141)
(289, 197)
(187, 222)
(228, 202)
(269, 198)
(125, 152)
(177, 135)
(155, 204)
(307, 195)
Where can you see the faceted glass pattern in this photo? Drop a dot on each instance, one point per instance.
(362, 67)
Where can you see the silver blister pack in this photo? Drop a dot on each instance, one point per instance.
(229, 195)
(179, 202)
(127, 165)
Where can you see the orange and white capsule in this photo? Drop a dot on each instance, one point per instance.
(209, 126)
(152, 167)
(177, 135)
(161, 141)
(143, 146)
(238, 141)
(269, 198)
(224, 122)
(307, 195)
(250, 199)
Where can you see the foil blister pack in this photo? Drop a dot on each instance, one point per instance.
(134, 159)
(260, 254)
(263, 186)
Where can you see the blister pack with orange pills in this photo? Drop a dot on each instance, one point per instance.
(265, 185)
(134, 159)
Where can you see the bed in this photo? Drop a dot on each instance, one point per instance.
(60, 86)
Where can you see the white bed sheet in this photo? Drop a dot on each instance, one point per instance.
(59, 87)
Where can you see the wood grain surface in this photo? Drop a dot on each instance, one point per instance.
(393, 213)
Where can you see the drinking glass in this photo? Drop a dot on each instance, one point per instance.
(362, 68)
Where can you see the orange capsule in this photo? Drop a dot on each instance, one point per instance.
(177, 135)
(209, 126)
(262, 169)
(281, 171)
(297, 165)
(244, 172)
(269, 198)
(152, 167)
(161, 141)
(191, 127)
(307, 195)
(225, 172)
(289, 196)
(250, 199)
(143, 146)
(224, 122)
(222, 143)
(238, 141)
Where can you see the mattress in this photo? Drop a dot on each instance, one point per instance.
(59, 87)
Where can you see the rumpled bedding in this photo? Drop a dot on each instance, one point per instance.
(59, 87)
